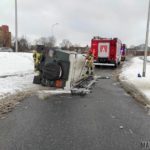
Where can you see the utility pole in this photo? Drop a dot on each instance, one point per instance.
(16, 27)
(146, 43)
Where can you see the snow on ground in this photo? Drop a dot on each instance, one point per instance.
(148, 58)
(130, 73)
(15, 63)
(16, 73)
(14, 84)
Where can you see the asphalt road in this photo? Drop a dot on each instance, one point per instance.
(106, 119)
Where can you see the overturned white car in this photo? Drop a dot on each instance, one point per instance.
(61, 69)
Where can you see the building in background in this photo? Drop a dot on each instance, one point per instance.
(5, 36)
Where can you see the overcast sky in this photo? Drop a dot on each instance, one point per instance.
(79, 20)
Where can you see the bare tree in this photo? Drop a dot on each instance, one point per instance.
(65, 44)
(42, 40)
(51, 42)
(13, 42)
(23, 44)
(48, 42)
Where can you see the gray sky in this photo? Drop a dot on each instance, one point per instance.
(79, 20)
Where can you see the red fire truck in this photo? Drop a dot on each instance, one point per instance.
(106, 51)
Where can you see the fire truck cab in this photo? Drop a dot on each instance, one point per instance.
(106, 51)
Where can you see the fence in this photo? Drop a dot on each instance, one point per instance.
(136, 53)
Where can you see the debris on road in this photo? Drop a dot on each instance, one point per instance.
(102, 77)
(113, 117)
(44, 94)
(130, 131)
(80, 91)
(121, 127)
(83, 86)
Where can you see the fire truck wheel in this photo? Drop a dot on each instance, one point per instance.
(96, 66)
(116, 65)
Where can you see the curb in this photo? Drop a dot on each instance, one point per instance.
(134, 92)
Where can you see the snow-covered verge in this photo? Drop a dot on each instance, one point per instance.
(129, 77)
(15, 63)
(13, 84)
(16, 73)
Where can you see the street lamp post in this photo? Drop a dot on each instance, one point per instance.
(52, 27)
(16, 27)
(146, 43)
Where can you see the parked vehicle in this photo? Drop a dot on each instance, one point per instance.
(6, 49)
(106, 51)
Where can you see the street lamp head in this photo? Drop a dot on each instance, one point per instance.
(54, 24)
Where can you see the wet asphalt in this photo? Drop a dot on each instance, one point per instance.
(106, 119)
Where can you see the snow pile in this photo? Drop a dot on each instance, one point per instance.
(148, 58)
(130, 73)
(16, 73)
(15, 63)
